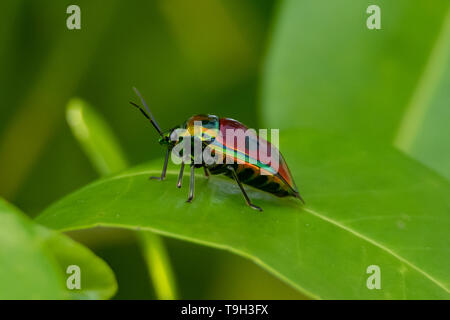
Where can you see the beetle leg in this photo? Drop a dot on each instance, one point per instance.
(180, 176)
(163, 173)
(247, 199)
(191, 184)
(206, 172)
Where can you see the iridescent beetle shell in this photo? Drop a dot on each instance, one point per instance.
(278, 181)
(240, 162)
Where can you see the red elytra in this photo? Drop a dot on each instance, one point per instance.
(282, 169)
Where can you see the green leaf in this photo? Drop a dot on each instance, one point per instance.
(364, 207)
(326, 70)
(34, 260)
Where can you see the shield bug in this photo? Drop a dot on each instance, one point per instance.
(238, 163)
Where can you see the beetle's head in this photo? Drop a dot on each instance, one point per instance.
(164, 139)
(168, 138)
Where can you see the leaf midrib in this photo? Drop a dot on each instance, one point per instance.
(379, 245)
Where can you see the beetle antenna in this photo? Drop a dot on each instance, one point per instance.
(148, 117)
(147, 114)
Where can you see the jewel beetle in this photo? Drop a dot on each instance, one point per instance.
(278, 182)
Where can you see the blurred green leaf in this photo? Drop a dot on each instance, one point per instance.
(424, 132)
(104, 152)
(34, 260)
(364, 207)
(159, 265)
(96, 138)
(326, 70)
(36, 113)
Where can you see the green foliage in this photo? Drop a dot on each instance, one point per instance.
(424, 132)
(366, 202)
(95, 137)
(158, 264)
(363, 117)
(33, 262)
(368, 90)
(326, 70)
(370, 212)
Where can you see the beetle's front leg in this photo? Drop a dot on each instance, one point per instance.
(163, 173)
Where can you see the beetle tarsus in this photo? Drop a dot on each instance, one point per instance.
(255, 207)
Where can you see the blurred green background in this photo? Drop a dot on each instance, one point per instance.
(184, 58)
(288, 64)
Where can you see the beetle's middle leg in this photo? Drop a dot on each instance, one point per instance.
(247, 199)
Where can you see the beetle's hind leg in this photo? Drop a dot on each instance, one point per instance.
(247, 199)
(191, 184)
(163, 173)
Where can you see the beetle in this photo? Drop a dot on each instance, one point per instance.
(256, 174)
